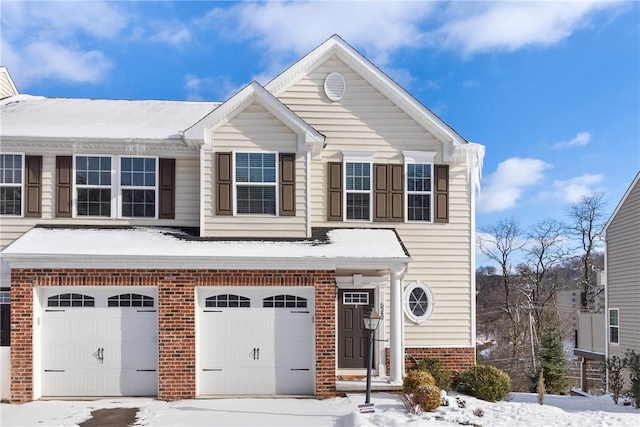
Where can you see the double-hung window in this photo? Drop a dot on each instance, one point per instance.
(11, 176)
(419, 191)
(115, 186)
(418, 168)
(358, 190)
(256, 183)
(94, 176)
(614, 326)
(138, 186)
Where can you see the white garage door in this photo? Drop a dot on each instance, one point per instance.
(256, 341)
(99, 341)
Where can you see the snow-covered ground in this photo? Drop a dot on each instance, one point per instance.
(521, 409)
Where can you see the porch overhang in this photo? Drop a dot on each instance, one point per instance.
(153, 248)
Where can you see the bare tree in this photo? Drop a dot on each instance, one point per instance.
(500, 242)
(547, 248)
(588, 218)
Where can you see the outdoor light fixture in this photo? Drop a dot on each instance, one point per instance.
(371, 323)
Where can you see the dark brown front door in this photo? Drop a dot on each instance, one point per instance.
(352, 338)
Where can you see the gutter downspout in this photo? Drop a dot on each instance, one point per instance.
(472, 273)
(308, 192)
(606, 315)
(202, 190)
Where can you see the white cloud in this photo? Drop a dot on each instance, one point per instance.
(582, 138)
(175, 35)
(503, 188)
(571, 190)
(209, 88)
(44, 40)
(509, 26)
(46, 60)
(294, 28)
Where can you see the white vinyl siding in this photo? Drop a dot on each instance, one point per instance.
(187, 203)
(254, 130)
(623, 270)
(364, 120)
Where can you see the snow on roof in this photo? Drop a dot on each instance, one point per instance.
(30, 116)
(165, 244)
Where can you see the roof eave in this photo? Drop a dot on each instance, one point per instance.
(17, 260)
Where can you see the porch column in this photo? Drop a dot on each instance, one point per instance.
(396, 328)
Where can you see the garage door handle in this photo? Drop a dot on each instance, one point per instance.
(54, 370)
(299, 369)
(145, 370)
(100, 354)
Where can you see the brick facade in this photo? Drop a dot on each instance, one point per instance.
(176, 318)
(454, 359)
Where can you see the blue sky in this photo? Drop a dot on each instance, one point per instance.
(552, 89)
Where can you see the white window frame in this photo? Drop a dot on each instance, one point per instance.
(407, 295)
(364, 158)
(418, 158)
(275, 184)
(21, 185)
(113, 186)
(613, 326)
(138, 187)
(116, 187)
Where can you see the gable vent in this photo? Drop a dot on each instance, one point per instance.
(334, 86)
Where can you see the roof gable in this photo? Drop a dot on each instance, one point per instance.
(309, 138)
(634, 183)
(7, 87)
(374, 76)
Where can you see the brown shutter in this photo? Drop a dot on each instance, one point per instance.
(224, 193)
(287, 184)
(167, 186)
(334, 190)
(33, 185)
(388, 197)
(64, 169)
(396, 193)
(441, 192)
(380, 193)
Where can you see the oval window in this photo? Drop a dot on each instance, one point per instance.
(418, 302)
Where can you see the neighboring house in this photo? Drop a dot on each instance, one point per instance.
(622, 264)
(590, 341)
(187, 249)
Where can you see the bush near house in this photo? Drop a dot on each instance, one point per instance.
(433, 366)
(632, 362)
(485, 382)
(614, 367)
(415, 380)
(427, 397)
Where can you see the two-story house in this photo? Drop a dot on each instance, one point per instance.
(622, 263)
(187, 249)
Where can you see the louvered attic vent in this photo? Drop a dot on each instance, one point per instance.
(334, 86)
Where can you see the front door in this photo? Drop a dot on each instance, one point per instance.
(353, 305)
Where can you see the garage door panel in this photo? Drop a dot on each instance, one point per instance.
(99, 350)
(258, 350)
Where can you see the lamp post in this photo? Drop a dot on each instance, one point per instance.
(370, 324)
